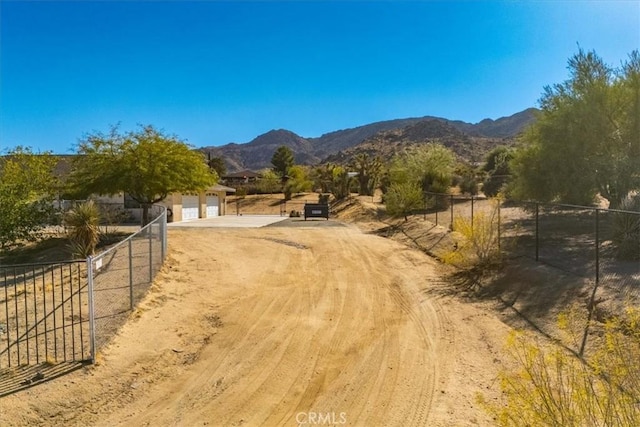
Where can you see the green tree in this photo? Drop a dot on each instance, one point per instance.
(340, 182)
(269, 182)
(217, 164)
(586, 140)
(146, 164)
(431, 166)
(27, 191)
(282, 160)
(497, 169)
(403, 198)
(369, 171)
(323, 177)
(298, 181)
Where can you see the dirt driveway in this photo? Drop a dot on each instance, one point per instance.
(284, 326)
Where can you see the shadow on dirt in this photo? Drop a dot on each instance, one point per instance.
(20, 378)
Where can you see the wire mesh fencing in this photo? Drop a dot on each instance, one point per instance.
(121, 276)
(601, 245)
(443, 209)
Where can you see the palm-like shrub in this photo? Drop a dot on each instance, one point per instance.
(626, 229)
(82, 223)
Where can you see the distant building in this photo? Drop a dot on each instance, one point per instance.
(241, 178)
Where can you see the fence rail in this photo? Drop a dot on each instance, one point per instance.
(67, 311)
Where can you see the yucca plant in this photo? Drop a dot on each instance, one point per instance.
(626, 228)
(83, 231)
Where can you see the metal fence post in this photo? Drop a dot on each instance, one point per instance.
(472, 214)
(436, 208)
(499, 225)
(424, 212)
(451, 203)
(92, 318)
(150, 231)
(130, 274)
(597, 246)
(163, 236)
(537, 231)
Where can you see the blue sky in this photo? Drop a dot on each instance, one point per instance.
(214, 72)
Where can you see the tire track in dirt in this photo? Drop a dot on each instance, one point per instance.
(328, 321)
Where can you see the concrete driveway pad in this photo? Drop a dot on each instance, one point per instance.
(231, 221)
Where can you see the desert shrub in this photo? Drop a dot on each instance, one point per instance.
(551, 386)
(626, 229)
(498, 170)
(402, 199)
(494, 184)
(436, 184)
(270, 182)
(468, 184)
(241, 192)
(110, 217)
(478, 239)
(82, 223)
(323, 199)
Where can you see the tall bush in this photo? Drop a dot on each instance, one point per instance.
(402, 199)
(27, 189)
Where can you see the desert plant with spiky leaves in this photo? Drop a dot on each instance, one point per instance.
(82, 223)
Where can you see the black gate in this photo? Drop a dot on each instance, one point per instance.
(44, 314)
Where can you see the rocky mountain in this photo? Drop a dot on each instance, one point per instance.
(387, 143)
(504, 127)
(469, 141)
(257, 153)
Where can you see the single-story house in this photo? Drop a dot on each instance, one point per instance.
(239, 178)
(180, 207)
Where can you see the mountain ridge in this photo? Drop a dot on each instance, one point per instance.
(340, 145)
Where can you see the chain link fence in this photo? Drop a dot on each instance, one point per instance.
(601, 245)
(120, 277)
(595, 251)
(66, 312)
(589, 242)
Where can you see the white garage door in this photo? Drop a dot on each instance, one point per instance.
(189, 207)
(213, 206)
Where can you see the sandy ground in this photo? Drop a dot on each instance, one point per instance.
(285, 326)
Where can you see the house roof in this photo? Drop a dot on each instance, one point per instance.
(242, 174)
